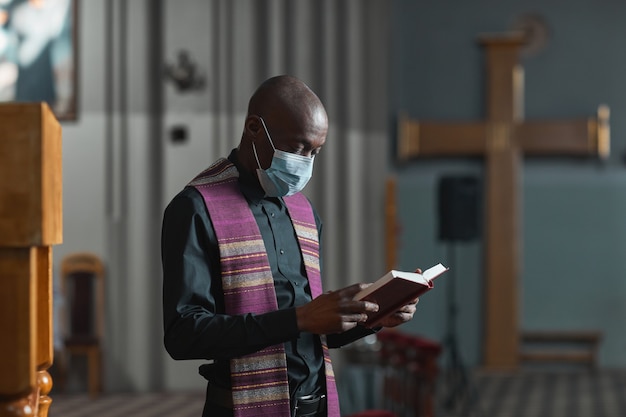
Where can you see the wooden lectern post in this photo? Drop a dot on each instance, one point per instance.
(30, 223)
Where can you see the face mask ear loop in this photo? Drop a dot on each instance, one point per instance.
(256, 156)
(267, 133)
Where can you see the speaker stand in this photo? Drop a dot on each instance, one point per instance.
(460, 393)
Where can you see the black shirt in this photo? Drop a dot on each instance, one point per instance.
(193, 307)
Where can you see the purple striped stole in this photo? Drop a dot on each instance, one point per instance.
(304, 224)
(259, 380)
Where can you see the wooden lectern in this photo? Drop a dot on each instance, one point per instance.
(30, 223)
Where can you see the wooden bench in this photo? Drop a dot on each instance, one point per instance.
(565, 347)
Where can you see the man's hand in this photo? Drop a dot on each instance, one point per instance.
(404, 314)
(334, 311)
(401, 316)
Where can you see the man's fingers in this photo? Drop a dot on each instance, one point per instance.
(409, 308)
(352, 290)
(352, 306)
(355, 318)
(369, 306)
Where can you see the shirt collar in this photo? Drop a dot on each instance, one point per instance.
(248, 182)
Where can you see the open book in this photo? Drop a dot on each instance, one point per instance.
(395, 289)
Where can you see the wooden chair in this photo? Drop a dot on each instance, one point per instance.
(411, 370)
(82, 286)
(408, 371)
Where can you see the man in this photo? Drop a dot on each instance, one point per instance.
(241, 284)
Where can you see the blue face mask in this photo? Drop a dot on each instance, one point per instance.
(288, 173)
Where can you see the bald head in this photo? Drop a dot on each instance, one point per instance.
(284, 97)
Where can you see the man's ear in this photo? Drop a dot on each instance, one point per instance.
(253, 126)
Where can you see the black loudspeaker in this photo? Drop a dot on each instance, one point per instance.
(459, 208)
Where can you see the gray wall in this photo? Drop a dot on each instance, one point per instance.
(574, 231)
(110, 206)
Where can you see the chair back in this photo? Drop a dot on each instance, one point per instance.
(82, 285)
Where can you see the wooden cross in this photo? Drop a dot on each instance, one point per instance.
(502, 140)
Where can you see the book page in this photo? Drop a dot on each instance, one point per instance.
(434, 272)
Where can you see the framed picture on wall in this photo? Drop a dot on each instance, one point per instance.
(38, 53)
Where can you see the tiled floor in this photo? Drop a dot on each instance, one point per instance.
(524, 394)
(128, 405)
(547, 394)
